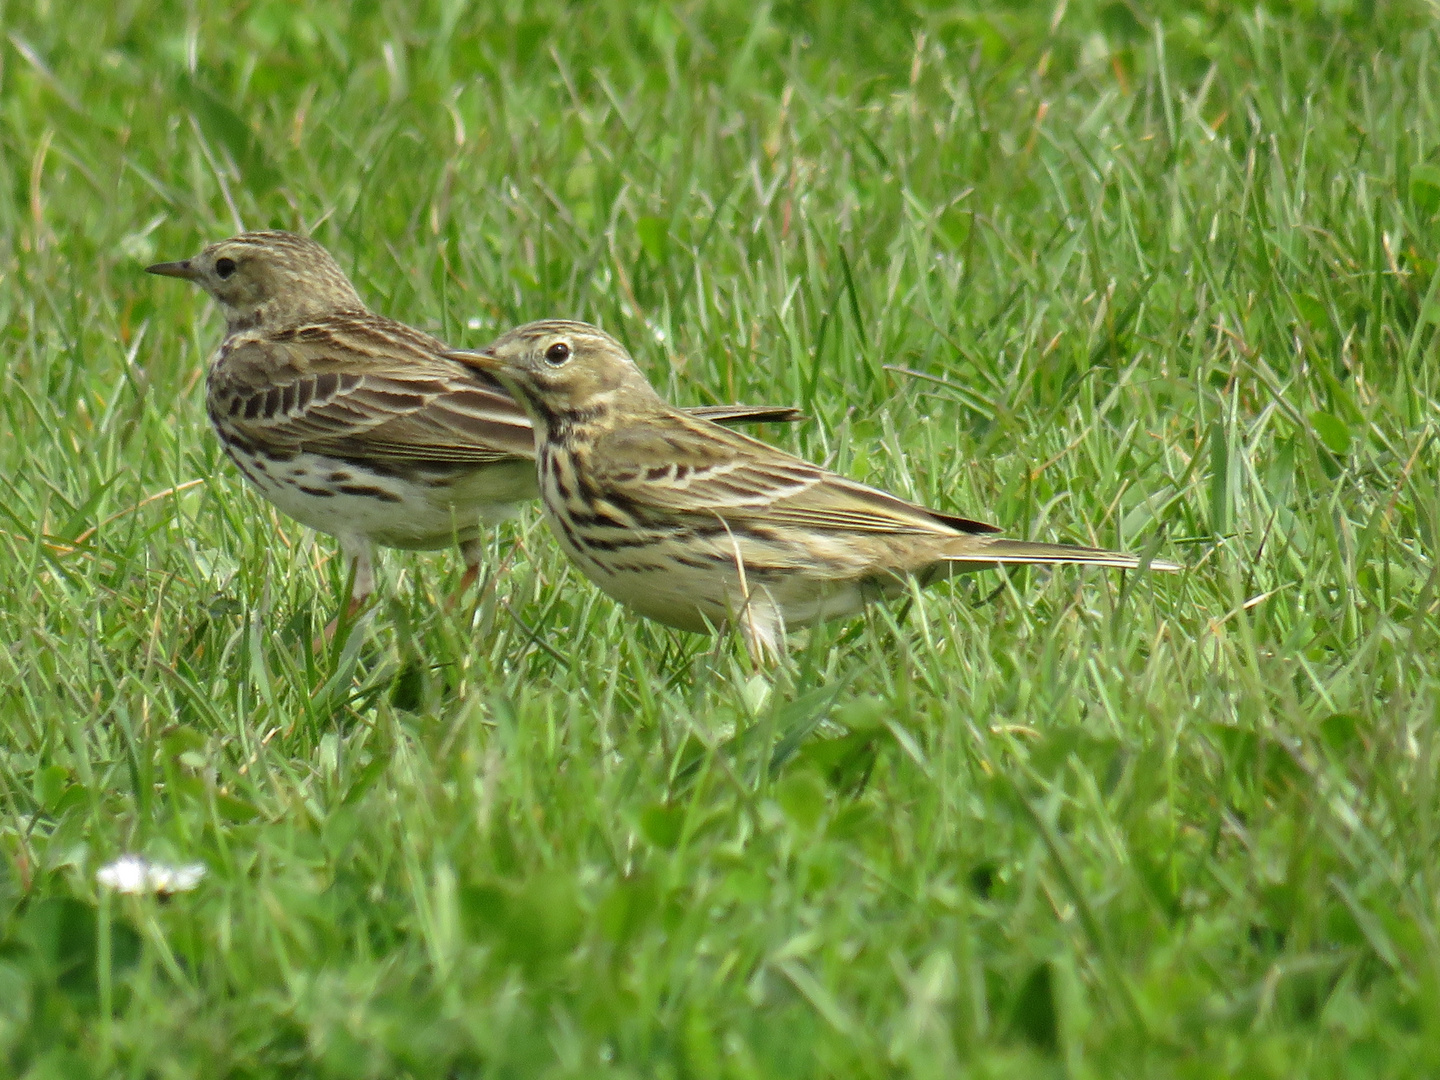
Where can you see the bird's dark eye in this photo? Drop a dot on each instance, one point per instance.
(224, 267)
(557, 354)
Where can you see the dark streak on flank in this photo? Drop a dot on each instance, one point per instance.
(366, 491)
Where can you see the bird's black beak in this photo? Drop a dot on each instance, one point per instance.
(182, 269)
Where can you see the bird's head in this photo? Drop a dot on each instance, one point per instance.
(268, 279)
(563, 370)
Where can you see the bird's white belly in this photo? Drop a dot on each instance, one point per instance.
(341, 499)
(694, 597)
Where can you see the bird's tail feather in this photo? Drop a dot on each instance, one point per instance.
(747, 414)
(966, 553)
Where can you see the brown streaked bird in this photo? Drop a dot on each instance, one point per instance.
(696, 526)
(355, 424)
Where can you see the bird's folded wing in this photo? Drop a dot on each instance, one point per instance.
(342, 394)
(362, 386)
(687, 466)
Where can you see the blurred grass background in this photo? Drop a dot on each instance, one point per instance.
(1155, 276)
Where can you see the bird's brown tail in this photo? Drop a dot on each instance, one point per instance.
(747, 414)
(979, 553)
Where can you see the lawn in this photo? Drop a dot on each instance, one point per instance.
(1153, 276)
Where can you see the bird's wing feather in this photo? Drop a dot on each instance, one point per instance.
(362, 386)
(365, 388)
(682, 464)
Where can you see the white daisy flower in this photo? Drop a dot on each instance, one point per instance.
(135, 874)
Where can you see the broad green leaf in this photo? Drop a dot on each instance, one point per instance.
(225, 130)
(1425, 188)
(654, 237)
(1332, 432)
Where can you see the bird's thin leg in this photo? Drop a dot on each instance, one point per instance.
(360, 567)
(760, 618)
(472, 552)
(360, 555)
(764, 629)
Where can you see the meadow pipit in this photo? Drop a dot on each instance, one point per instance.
(696, 526)
(353, 423)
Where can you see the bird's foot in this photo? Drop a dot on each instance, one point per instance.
(353, 608)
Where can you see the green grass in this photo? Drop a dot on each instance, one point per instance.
(1159, 277)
